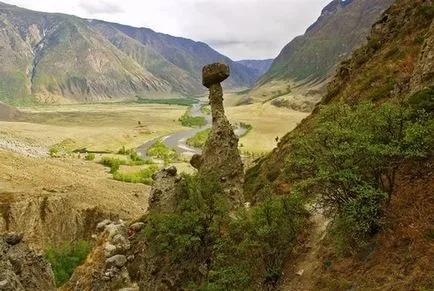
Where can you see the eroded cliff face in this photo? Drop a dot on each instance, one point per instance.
(423, 75)
(22, 269)
(52, 201)
(49, 221)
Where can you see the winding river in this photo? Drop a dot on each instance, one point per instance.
(177, 140)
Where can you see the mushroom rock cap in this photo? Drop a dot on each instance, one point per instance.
(214, 74)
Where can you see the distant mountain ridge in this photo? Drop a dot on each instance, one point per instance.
(312, 57)
(53, 57)
(261, 66)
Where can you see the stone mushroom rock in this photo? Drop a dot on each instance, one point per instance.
(214, 74)
(220, 155)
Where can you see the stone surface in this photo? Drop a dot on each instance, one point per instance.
(23, 269)
(171, 170)
(220, 155)
(196, 161)
(13, 238)
(423, 76)
(117, 261)
(137, 226)
(214, 74)
(165, 190)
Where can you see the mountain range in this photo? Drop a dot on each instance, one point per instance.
(305, 64)
(52, 57)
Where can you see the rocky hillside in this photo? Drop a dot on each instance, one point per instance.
(393, 71)
(311, 58)
(397, 62)
(62, 58)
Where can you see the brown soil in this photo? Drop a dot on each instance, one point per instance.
(52, 200)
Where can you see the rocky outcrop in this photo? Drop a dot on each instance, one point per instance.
(165, 190)
(22, 269)
(424, 72)
(105, 267)
(49, 220)
(220, 154)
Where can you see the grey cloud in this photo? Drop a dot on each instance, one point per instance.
(237, 28)
(247, 28)
(100, 7)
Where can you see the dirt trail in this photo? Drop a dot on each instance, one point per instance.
(299, 273)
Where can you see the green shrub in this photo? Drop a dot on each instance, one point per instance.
(143, 176)
(90, 157)
(198, 140)
(113, 163)
(205, 109)
(160, 151)
(423, 100)
(350, 147)
(66, 258)
(53, 152)
(124, 151)
(240, 249)
(360, 218)
(247, 128)
(192, 121)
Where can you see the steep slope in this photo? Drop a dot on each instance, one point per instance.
(387, 68)
(54, 56)
(397, 66)
(310, 59)
(188, 55)
(260, 66)
(62, 58)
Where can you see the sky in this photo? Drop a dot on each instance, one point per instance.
(240, 29)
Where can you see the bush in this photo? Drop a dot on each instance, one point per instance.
(90, 157)
(423, 100)
(199, 139)
(247, 128)
(66, 258)
(53, 152)
(192, 121)
(239, 249)
(124, 151)
(143, 176)
(160, 151)
(360, 218)
(261, 238)
(348, 148)
(113, 163)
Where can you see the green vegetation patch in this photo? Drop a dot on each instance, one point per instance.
(349, 158)
(66, 258)
(160, 151)
(423, 100)
(198, 140)
(239, 249)
(143, 176)
(192, 121)
(115, 163)
(205, 109)
(247, 128)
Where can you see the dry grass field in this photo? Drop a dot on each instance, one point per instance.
(268, 123)
(103, 127)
